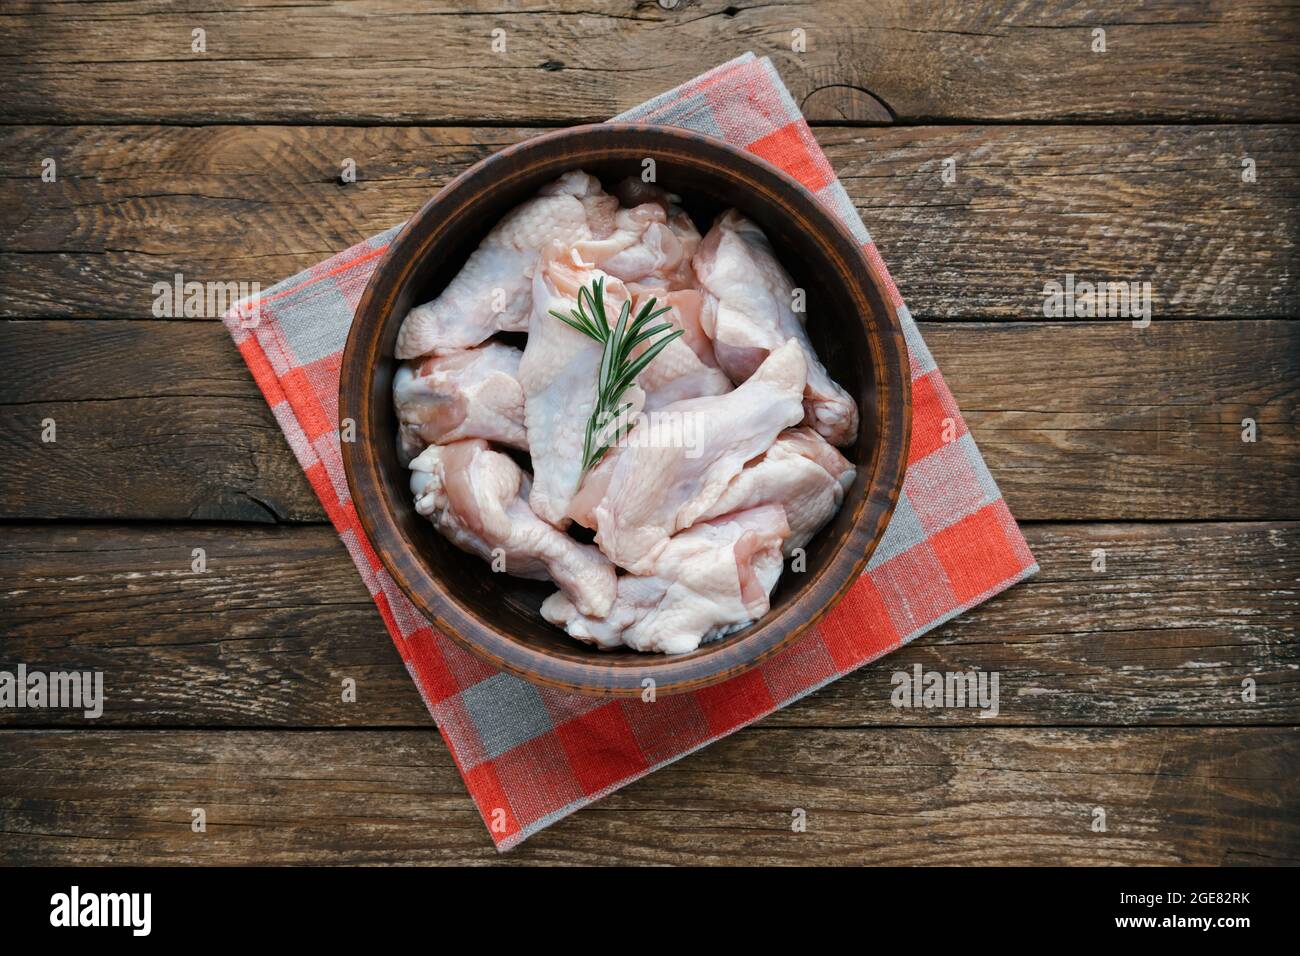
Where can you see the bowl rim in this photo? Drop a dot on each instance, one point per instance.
(671, 674)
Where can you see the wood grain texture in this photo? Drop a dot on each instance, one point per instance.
(1182, 615)
(900, 796)
(1078, 420)
(589, 59)
(1166, 205)
(153, 430)
(159, 421)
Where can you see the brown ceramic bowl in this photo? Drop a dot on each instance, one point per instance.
(851, 322)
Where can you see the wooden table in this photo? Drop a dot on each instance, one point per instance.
(1121, 689)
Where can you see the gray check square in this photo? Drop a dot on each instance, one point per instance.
(507, 711)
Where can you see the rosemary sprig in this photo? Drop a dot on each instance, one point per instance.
(618, 369)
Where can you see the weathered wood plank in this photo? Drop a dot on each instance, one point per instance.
(588, 59)
(160, 420)
(1139, 423)
(1182, 616)
(154, 429)
(1164, 205)
(897, 796)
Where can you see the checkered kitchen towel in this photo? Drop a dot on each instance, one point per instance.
(531, 755)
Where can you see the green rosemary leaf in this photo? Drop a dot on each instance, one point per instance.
(637, 334)
(647, 315)
(612, 358)
(637, 366)
(578, 324)
(648, 334)
(618, 369)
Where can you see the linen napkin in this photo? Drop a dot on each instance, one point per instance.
(531, 755)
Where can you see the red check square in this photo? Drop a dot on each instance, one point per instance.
(975, 554)
(436, 678)
(735, 702)
(601, 747)
(936, 420)
(491, 799)
(306, 403)
(859, 627)
(793, 149)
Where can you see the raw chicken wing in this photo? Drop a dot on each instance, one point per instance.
(492, 292)
(558, 374)
(802, 473)
(469, 394)
(710, 580)
(749, 311)
(478, 499)
(650, 490)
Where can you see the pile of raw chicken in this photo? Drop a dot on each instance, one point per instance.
(690, 536)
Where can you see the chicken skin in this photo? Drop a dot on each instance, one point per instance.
(801, 472)
(493, 291)
(469, 394)
(478, 499)
(650, 490)
(558, 374)
(749, 311)
(708, 581)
